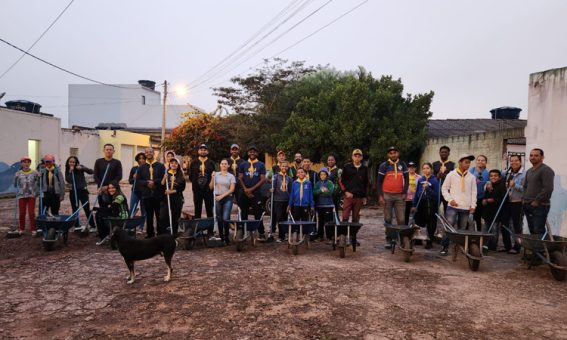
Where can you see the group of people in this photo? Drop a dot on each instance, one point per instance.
(492, 198)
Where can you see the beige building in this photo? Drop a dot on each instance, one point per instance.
(497, 139)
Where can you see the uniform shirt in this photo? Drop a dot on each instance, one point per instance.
(281, 195)
(296, 199)
(449, 166)
(249, 178)
(201, 181)
(393, 178)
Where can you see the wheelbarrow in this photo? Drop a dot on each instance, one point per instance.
(342, 235)
(298, 234)
(468, 242)
(55, 228)
(246, 231)
(127, 224)
(551, 251)
(192, 230)
(402, 235)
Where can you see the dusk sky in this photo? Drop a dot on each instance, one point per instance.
(475, 55)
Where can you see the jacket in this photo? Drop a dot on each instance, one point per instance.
(58, 181)
(306, 200)
(137, 188)
(279, 194)
(354, 180)
(431, 192)
(393, 178)
(144, 177)
(517, 192)
(27, 184)
(497, 193)
(80, 181)
(176, 182)
(451, 190)
(323, 192)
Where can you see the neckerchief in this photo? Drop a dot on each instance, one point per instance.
(251, 168)
(234, 166)
(332, 168)
(395, 166)
(300, 189)
(412, 184)
(172, 177)
(50, 172)
(26, 172)
(151, 169)
(284, 184)
(442, 168)
(462, 174)
(202, 167)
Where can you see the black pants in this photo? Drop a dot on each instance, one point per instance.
(152, 205)
(82, 197)
(279, 214)
(409, 205)
(254, 203)
(478, 212)
(103, 228)
(511, 212)
(51, 203)
(324, 215)
(425, 216)
(200, 195)
(176, 205)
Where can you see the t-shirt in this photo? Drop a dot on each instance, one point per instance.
(223, 182)
(251, 178)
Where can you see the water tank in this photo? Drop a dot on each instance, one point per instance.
(148, 84)
(23, 105)
(506, 112)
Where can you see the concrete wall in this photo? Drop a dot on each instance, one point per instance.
(491, 144)
(546, 129)
(91, 104)
(126, 146)
(17, 128)
(86, 141)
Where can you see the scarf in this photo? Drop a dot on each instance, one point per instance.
(29, 171)
(395, 164)
(172, 177)
(462, 174)
(234, 166)
(202, 167)
(442, 168)
(50, 172)
(284, 184)
(412, 184)
(300, 181)
(151, 169)
(251, 168)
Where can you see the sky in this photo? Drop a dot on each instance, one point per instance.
(475, 55)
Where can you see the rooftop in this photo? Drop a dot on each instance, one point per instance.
(462, 127)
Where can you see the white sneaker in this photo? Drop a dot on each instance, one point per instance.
(92, 230)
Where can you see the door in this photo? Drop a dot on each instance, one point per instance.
(127, 158)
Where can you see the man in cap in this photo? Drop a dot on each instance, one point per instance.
(297, 163)
(538, 187)
(393, 182)
(459, 190)
(251, 176)
(200, 174)
(354, 184)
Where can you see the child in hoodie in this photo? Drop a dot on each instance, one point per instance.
(26, 182)
(323, 192)
(493, 196)
(301, 197)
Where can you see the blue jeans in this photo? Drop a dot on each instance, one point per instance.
(536, 217)
(458, 218)
(135, 202)
(223, 209)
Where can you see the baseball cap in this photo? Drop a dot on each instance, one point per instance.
(233, 146)
(357, 152)
(392, 148)
(466, 156)
(25, 158)
(203, 146)
(411, 164)
(49, 158)
(252, 147)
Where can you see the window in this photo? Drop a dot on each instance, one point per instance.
(143, 100)
(74, 152)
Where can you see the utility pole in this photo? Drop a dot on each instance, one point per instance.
(163, 121)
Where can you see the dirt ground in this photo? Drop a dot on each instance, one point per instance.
(80, 291)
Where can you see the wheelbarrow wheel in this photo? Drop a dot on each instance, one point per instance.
(559, 259)
(294, 240)
(239, 236)
(190, 244)
(406, 242)
(474, 250)
(342, 246)
(49, 239)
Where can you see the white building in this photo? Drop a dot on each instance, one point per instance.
(547, 124)
(136, 105)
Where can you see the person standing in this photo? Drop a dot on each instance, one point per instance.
(441, 168)
(106, 170)
(426, 202)
(334, 175)
(459, 189)
(136, 194)
(412, 187)
(354, 183)
(482, 178)
(251, 175)
(301, 202)
(53, 185)
(78, 195)
(323, 193)
(280, 157)
(538, 187)
(223, 185)
(297, 162)
(26, 181)
(200, 174)
(149, 180)
(282, 188)
(512, 210)
(310, 174)
(393, 183)
(234, 162)
(493, 196)
(174, 183)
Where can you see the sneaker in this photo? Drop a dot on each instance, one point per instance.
(214, 238)
(92, 230)
(444, 252)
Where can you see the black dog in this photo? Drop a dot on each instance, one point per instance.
(135, 250)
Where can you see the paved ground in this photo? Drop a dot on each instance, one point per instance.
(80, 291)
